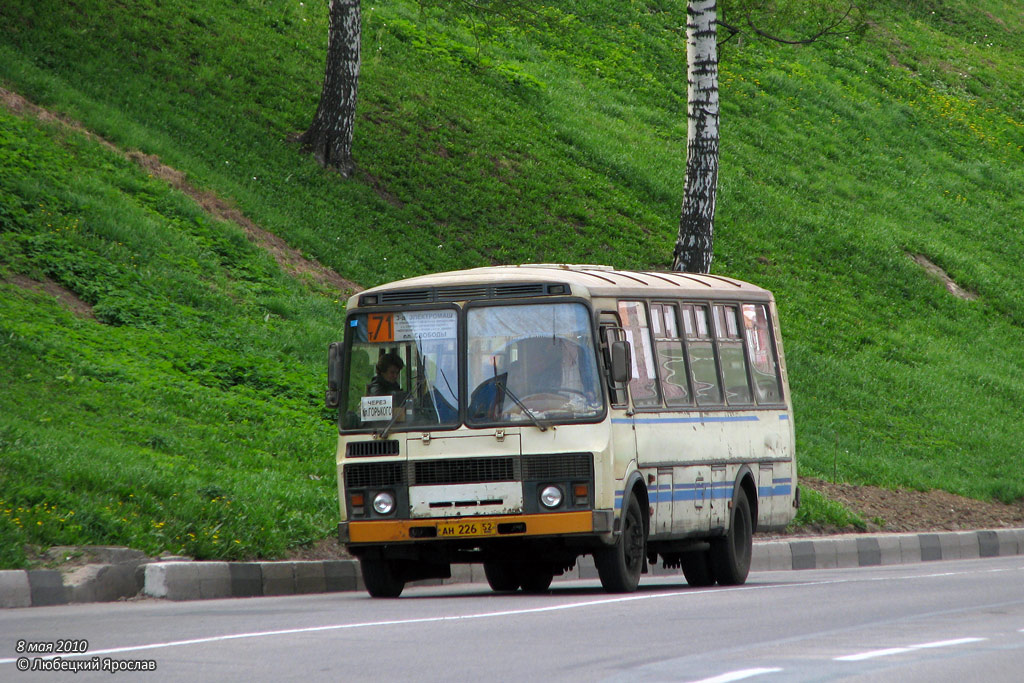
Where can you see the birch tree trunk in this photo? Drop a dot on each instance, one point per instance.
(329, 137)
(694, 244)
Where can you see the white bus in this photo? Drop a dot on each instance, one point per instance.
(524, 416)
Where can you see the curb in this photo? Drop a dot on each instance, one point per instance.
(187, 580)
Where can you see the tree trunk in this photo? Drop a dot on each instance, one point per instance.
(329, 137)
(693, 248)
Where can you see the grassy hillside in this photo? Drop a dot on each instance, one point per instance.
(182, 409)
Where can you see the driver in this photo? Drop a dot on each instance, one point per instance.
(385, 382)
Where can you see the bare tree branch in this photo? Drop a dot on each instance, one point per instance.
(827, 30)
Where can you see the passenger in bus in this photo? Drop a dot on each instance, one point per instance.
(542, 367)
(385, 382)
(546, 376)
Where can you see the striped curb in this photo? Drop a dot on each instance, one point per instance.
(186, 580)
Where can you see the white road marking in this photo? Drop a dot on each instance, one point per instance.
(489, 615)
(872, 654)
(860, 656)
(738, 675)
(949, 643)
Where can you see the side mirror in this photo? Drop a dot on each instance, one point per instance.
(621, 362)
(333, 375)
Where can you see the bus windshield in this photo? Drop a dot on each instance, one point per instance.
(402, 371)
(531, 363)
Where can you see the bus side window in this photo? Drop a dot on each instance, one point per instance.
(701, 353)
(730, 353)
(761, 350)
(644, 385)
(668, 344)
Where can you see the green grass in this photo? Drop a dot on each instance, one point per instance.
(187, 414)
(817, 510)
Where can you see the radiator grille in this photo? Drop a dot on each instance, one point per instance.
(356, 449)
(558, 466)
(464, 471)
(554, 467)
(374, 475)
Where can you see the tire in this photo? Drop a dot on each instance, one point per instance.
(697, 569)
(502, 578)
(383, 578)
(535, 578)
(621, 565)
(730, 554)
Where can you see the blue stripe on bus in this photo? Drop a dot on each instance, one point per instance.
(769, 491)
(716, 491)
(684, 420)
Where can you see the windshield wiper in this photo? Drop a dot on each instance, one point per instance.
(526, 411)
(383, 434)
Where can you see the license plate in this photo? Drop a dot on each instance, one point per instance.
(466, 528)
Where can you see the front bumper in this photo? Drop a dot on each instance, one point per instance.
(593, 522)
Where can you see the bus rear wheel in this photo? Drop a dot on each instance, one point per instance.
(620, 566)
(382, 578)
(730, 554)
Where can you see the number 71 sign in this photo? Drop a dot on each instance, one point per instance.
(381, 328)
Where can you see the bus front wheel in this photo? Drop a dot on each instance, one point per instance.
(535, 578)
(620, 566)
(730, 554)
(502, 578)
(383, 578)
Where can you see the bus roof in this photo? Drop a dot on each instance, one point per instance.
(534, 279)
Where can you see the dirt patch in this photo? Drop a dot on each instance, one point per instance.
(63, 294)
(903, 510)
(997, 20)
(951, 286)
(290, 260)
(325, 549)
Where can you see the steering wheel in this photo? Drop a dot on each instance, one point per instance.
(545, 401)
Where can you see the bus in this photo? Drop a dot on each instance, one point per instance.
(523, 417)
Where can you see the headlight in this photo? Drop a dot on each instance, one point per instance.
(383, 503)
(551, 497)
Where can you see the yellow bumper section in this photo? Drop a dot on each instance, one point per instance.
(454, 528)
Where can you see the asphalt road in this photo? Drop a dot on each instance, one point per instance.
(936, 621)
